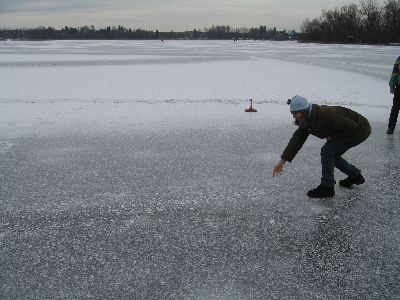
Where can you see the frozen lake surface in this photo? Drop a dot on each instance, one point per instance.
(129, 170)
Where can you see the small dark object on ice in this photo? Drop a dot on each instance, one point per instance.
(349, 181)
(250, 109)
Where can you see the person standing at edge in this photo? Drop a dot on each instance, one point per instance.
(394, 84)
(341, 127)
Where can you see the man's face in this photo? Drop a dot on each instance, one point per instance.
(298, 116)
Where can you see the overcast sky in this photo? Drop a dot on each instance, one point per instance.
(164, 15)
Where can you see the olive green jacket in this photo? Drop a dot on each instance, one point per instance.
(328, 122)
(395, 77)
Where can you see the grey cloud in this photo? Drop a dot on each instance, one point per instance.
(16, 6)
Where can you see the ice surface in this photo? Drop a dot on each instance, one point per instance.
(129, 170)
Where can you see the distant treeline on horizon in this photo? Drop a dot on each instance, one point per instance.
(223, 32)
(367, 23)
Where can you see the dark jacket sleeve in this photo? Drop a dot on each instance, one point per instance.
(296, 142)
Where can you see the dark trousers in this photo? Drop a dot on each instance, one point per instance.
(395, 108)
(331, 157)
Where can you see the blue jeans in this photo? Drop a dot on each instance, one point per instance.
(331, 157)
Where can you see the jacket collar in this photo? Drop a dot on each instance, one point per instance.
(312, 115)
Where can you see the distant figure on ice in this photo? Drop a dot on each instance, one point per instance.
(341, 127)
(394, 84)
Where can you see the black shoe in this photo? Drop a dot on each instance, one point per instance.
(390, 130)
(322, 192)
(349, 181)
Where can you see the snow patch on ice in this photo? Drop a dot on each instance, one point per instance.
(5, 146)
(318, 209)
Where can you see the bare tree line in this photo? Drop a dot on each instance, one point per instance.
(222, 32)
(367, 22)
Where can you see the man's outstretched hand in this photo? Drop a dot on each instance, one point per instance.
(278, 168)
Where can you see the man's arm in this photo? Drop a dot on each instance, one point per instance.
(296, 142)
